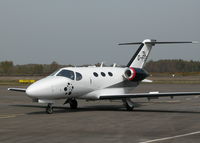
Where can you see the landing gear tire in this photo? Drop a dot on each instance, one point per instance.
(73, 104)
(129, 108)
(128, 104)
(49, 109)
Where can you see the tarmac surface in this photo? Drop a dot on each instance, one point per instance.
(161, 120)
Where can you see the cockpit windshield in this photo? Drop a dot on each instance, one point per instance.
(66, 73)
(54, 73)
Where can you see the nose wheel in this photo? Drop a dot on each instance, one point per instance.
(49, 109)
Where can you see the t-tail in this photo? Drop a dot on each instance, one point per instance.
(141, 55)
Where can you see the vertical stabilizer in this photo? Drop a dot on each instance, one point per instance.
(140, 57)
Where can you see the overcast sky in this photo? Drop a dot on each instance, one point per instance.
(88, 31)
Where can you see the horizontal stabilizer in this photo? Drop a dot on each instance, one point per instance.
(135, 43)
(153, 42)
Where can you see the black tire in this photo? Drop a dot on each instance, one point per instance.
(128, 108)
(73, 104)
(49, 109)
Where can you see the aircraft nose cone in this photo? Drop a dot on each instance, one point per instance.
(48, 87)
(39, 88)
(31, 91)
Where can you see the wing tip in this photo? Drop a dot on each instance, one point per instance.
(195, 42)
(17, 89)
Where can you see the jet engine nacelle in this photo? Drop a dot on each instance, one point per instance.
(135, 74)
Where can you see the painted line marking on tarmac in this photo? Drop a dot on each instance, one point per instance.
(172, 137)
(10, 116)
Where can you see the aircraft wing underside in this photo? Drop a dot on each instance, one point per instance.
(147, 95)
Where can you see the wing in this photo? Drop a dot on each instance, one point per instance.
(17, 89)
(147, 95)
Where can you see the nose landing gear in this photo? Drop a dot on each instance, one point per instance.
(49, 108)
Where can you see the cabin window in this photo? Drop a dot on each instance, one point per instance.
(103, 74)
(78, 76)
(95, 74)
(66, 73)
(110, 74)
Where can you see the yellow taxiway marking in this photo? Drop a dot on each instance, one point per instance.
(10, 116)
(172, 137)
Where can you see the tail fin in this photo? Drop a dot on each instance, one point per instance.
(140, 57)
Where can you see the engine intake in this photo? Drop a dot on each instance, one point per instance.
(135, 74)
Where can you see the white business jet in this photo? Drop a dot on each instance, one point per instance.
(98, 83)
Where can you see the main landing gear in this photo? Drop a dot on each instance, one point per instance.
(72, 102)
(128, 104)
(49, 108)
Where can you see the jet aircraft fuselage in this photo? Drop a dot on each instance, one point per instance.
(85, 83)
(99, 83)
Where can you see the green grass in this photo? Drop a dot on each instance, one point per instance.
(176, 73)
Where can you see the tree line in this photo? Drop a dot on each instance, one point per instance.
(173, 66)
(7, 68)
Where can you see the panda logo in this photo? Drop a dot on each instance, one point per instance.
(68, 89)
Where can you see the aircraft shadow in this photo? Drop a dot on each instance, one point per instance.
(115, 108)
